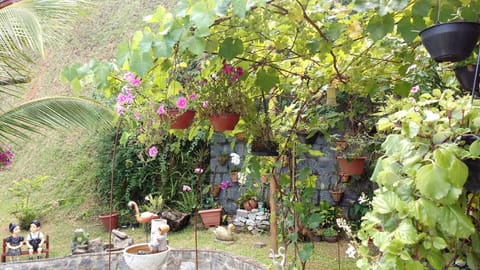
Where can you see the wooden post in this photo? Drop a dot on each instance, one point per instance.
(273, 212)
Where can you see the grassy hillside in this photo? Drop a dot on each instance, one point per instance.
(66, 156)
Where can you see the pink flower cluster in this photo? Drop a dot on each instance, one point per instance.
(6, 157)
(186, 188)
(234, 72)
(126, 98)
(225, 185)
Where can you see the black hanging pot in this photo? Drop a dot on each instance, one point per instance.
(465, 76)
(451, 42)
(304, 137)
(473, 180)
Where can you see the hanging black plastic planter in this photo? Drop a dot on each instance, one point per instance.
(264, 147)
(452, 41)
(465, 76)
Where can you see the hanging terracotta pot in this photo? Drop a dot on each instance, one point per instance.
(179, 119)
(352, 166)
(336, 195)
(345, 177)
(452, 41)
(465, 76)
(223, 122)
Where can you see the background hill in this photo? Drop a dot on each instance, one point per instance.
(66, 156)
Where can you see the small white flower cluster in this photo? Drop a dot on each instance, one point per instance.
(363, 198)
(342, 224)
(235, 159)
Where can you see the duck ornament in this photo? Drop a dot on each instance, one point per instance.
(224, 234)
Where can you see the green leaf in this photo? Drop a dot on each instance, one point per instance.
(266, 79)
(140, 62)
(230, 48)
(425, 211)
(406, 232)
(239, 8)
(432, 181)
(402, 88)
(473, 260)
(475, 148)
(453, 221)
(378, 26)
(306, 252)
(196, 45)
(386, 203)
(435, 259)
(203, 15)
(458, 173)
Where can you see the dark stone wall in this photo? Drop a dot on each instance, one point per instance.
(324, 167)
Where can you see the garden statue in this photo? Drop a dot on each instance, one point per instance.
(224, 234)
(79, 239)
(158, 241)
(143, 217)
(279, 265)
(35, 240)
(14, 242)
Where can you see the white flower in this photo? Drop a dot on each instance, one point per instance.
(242, 178)
(235, 159)
(363, 198)
(342, 224)
(351, 251)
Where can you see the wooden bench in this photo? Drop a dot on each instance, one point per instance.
(45, 248)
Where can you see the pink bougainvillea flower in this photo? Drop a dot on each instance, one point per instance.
(415, 89)
(6, 157)
(152, 152)
(227, 68)
(193, 96)
(161, 109)
(205, 104)
(198, 170)
(181, 102)
(120, 110)
(132, 79)
(186, 188)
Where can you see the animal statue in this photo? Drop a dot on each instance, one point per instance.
(159, 239)
(224, 234)
(278, 264)
(143, 217)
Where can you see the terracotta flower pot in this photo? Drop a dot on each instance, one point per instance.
(211, 217)
(352, 166)
(234, 177)
(179, 120)
(224, 122)
(337, 195)
(109, 221)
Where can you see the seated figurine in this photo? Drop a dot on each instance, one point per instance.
(14, 242)
(35, 240)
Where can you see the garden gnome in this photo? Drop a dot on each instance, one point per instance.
(35, 240)
(14, 242)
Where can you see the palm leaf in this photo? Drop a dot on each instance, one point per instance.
(53, 113)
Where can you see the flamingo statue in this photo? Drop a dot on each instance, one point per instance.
(143, 217)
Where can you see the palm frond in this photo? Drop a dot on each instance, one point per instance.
(53, 113)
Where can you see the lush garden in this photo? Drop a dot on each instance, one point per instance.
(351, 72)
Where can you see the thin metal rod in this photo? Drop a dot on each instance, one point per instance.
(475, 75)
(438, 11)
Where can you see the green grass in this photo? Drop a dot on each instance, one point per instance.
(67, 157)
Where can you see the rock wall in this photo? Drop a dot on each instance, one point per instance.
(324, 167)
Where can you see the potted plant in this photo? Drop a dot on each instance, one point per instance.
(452, 41)
(248, 199)
(350, 157)
(234, 167)
(109, 218)
(330, 234)
(222, 93)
